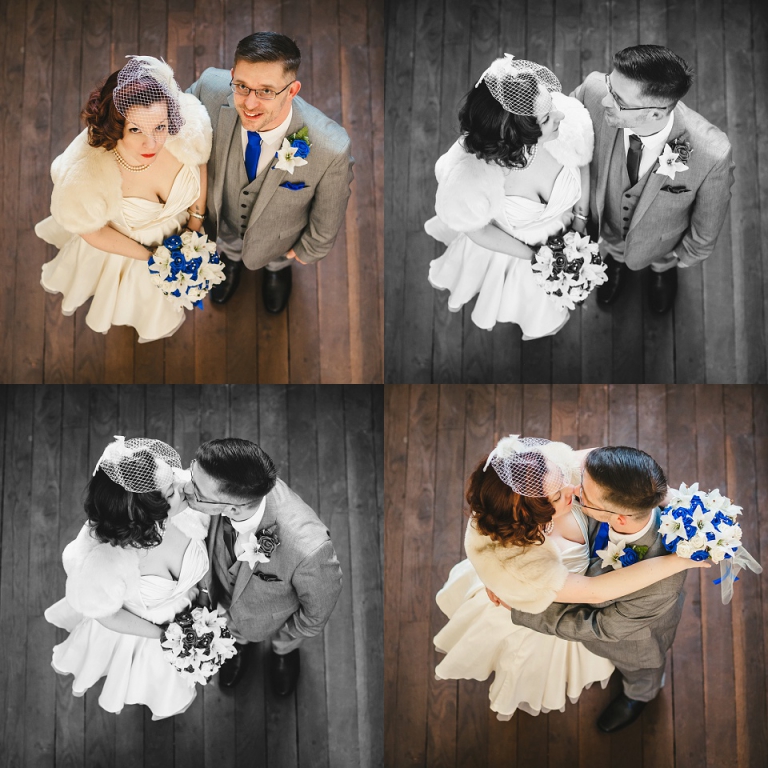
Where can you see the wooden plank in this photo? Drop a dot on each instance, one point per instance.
(242, 330)
(622, 414)
(748, 641)
(272, 346)
(447, 548)
(396, 413)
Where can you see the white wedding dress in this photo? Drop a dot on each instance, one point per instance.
(122, 291)
(532, 671)
(504, 285)
(135, 669)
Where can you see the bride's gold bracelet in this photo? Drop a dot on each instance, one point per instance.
(579, 216)
(196, 215)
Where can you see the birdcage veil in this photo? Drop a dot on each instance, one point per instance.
(142, 82)
(521, 87)
(139, 464)
(531, 466)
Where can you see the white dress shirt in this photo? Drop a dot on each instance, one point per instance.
(270, 142)
(629, 538)
(244, 527)
(653, 145)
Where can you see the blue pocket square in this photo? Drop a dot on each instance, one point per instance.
(294, 185)
(267, 576)
(675, 190)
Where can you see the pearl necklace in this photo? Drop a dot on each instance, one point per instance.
(134, 168)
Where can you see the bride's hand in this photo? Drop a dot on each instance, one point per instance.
(697, 563)
(192, 595)
(579, 225)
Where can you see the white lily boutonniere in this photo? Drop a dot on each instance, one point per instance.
(287, 159)
(672, 159)
(621, 554)
(259, 547)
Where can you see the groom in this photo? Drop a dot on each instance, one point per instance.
(648, 209)
(273, 568)
(269, 211)
(620, 490)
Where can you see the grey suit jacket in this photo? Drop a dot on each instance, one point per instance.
(305, 564)
(635, 631)
(306, 220)
(681, 226)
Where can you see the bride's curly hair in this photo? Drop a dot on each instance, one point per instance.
(123, 518)
(503, 514)
(105, 124)
(491, 133)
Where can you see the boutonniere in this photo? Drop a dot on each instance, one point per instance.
(674, 157)
(294, 150)
(259, 547)
(620, 554)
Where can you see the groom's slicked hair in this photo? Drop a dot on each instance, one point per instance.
(628, 477)
(663, 74)
(240, 467)
(269, 47)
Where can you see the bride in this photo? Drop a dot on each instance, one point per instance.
(133, 566)
(527, 543)
(134, 176)
(518, 174)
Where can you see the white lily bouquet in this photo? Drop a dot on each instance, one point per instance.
(702, 526)
(197, 642)
(185, 267)
(568, 267)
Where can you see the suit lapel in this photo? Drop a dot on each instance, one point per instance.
(656, 180)
(245, 573)
(608, 138)
(276, 178)
(225, 128)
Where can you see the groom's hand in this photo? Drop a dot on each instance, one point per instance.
(292, 255)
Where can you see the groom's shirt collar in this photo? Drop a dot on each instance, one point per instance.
(652, 145)
(630, 538)
(253, 522)
(270, 141)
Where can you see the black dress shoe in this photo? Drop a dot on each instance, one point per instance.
(284, 672)
(222, 293)
(609, 291)
(620, 713)
(275, 289)
(233, 669)
(662, 290)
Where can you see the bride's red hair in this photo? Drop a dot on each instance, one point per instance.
(503, 514)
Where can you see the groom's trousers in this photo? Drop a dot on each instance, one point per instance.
(642, 684)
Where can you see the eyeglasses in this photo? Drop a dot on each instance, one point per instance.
(578, 498)
(203, 501)
(618, 101)
(265, 94)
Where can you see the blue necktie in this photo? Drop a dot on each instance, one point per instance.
(252, 154)
(601, 539)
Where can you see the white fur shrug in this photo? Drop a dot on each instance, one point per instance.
(100, 576)
(470, 192)
(87, 187)
(526, 578)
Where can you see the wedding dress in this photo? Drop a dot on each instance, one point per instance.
(504, 285)
(122, 291)
(135, 669)
(532, 671)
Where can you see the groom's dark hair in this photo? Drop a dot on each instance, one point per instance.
(663, 74)
(628, 478)
(240, 467)
(269, 47)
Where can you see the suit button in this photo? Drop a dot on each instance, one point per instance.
(242, 217)
(245, 193)
(243, 205)
(626, 207)
(625, 218)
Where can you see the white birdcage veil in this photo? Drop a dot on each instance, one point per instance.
(142, 82)
(521, 87)
(139, 464)
(531, 466)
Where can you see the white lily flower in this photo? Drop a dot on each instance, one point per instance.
(251, 553)
(286, 158)
(611, 554)
(670, 163)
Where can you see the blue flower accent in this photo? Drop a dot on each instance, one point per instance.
(700, 554)
(671, 546)
(172, 243)
(629, 557)
(302, 148)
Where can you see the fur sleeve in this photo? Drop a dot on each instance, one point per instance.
(470, 192)
(526, 578)
(86, 187)
(192, 144)
(98, 575)
(576, 139)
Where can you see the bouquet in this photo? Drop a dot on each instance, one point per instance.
(568, 267)
(197, 642)
(185, 267)
(703, 526)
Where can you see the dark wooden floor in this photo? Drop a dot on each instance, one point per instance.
(327, 443)
(712, 711)
(436, 49)
(52, 53)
